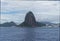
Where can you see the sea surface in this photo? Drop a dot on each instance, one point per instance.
(29, 34)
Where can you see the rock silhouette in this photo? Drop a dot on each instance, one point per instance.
(8, 24)
(30, 21)
(30, 18)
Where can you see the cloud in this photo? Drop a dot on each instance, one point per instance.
(13, 5)
(30, 0)
(18, 18)
(40, 6)
(16, 10)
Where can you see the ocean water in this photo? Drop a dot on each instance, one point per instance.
(29, 34)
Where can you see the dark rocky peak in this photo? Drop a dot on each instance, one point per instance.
(29, 13)
(30, 21)
(30, 18)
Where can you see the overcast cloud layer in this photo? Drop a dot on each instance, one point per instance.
(32, 0)
(16, 10)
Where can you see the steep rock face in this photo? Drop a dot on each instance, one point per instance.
(30, 21)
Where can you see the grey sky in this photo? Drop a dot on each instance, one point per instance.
(16, 10)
